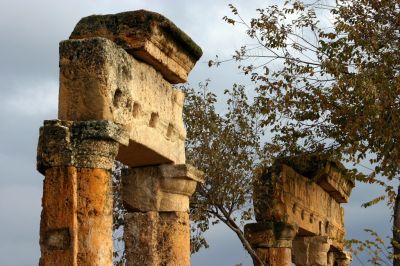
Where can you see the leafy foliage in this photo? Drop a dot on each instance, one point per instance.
(329, 89)
(375, 247)
(226, 148)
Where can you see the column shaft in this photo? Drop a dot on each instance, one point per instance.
(275, 256)
(76, 221)
(154, 238)
(58, 225)
(94, 216)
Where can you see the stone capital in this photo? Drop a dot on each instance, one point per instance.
(270, 234)
(161, 188)
(86, 144)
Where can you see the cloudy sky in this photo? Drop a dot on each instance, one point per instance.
(30, 32)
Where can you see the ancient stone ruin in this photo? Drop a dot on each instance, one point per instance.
(117, 102)
(298, 213)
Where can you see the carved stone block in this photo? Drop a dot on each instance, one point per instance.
(101, 81)
(159, 188)
(288, 196)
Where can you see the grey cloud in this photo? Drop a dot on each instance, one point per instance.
(20, 216)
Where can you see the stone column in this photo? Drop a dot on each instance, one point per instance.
(311, 251)
(272, 241)
(157, 221)
(76, 220)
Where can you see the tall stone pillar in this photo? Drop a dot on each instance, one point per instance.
(272, 241)
(157, 220)
(76, 221)
(311, 251)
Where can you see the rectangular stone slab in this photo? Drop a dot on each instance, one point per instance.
(147, 36)
(101, 81)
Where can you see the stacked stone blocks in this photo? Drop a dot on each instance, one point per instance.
(117, 102)
(298, 213)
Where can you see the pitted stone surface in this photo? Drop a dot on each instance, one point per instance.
(147, 36)
(76, 220)
(153, 238)
(101, 81)
(159, 188)
(99, 129)
(91, 144)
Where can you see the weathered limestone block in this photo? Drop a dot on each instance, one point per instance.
(76, 221)
(153, 239)
(288, 196)
(58, 224)
(148, 36)
(311, 251)
(272, 241)
(101, 81)
(331, 179)
(94, 216)
(161, 188)
(92, 144)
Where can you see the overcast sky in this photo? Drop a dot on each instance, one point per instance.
(30, 32)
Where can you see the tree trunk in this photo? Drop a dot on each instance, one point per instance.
(396, 230)
(256, 259)
(235, 228)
